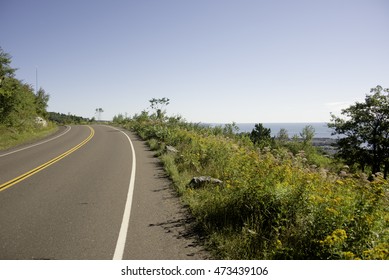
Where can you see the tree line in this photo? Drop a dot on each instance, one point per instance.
(19, 104)
(62, 119)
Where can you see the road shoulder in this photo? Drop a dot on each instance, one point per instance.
(33, 139)
(160, 226)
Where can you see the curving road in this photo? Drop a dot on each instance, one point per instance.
(90, 192)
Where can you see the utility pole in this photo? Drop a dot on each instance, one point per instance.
(36, 80)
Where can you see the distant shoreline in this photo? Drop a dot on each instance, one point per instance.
(326, 144)
(322, 131)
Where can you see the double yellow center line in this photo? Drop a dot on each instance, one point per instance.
(47, 164)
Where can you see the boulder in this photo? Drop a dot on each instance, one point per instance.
(198, 182)
(171, 149)
(41, 121)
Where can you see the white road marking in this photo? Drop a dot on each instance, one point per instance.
(37, 144)
(121, 242)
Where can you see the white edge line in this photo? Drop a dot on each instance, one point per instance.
(121, 242)
(37, 144)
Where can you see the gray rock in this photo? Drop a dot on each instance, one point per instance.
(41, 121)
(171, 149)
(198, 182)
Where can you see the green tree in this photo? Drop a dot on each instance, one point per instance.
(7, 98)
(307, 134)
(282, 135)
(119, 119)
(19, 106)
(7, 86)
(260, 135)
(6, 71)
(230, 129)
(41, 102)
(158, 104)
(365, 131)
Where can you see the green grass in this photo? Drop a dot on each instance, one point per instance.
(10, 137)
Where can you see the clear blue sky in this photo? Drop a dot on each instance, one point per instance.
(217, 60)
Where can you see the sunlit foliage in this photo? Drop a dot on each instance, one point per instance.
(274, 203)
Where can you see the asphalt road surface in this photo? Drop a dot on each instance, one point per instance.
(90, 192)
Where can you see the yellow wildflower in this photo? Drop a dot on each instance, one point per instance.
(332, 210)
(337, 237)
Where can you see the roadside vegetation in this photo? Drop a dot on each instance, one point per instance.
(23, 112)
(66, 119)
(23, 115)
(280, 198)
(10, 138)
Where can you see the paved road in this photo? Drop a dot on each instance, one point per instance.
(71, 198)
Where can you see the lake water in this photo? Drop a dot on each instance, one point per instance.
(321, 129)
